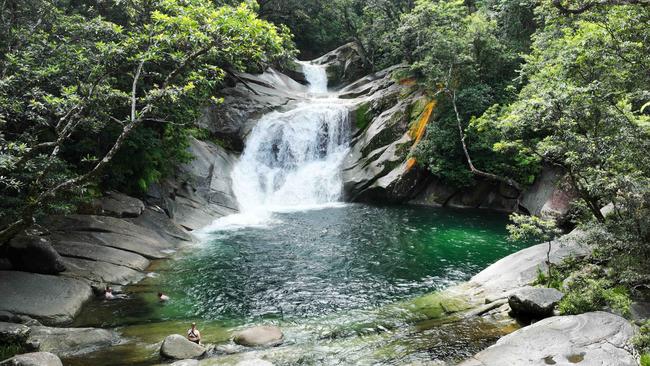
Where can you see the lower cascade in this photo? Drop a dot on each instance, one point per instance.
(292, 158)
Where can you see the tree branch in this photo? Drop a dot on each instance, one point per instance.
(591, 4)
(472, 168)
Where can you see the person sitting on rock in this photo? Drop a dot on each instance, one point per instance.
(162, 297)
(193, 334)
(108, 293)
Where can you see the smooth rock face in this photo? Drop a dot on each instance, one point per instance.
(254, 362)
(94, 252)
(13, 333)
(533, 302)
(50, 299)
(520, 269)
(33, 359)
(177, 347)
(71, 341)
(120, 205)
(108, 231)
(588, 339)
(34, 254)
(186, 363)
(201, 190)
(259, 336)
(343, 65)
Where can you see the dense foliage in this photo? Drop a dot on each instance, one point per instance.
(87, 84)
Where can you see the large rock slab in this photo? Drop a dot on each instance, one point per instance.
(588, 339)
(155, 219)
(52, 300)
(520, 269)
(32, 253)
(109, 231)
(343, 65)
(259, 336)
(534, 302)
(13, 333)
(71, 341)
(94, 252)
(177, 347)
(120, 205)
(33, 359)
(101, 272)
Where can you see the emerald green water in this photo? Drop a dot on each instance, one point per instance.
(320, 274)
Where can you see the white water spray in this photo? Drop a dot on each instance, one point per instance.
(292, 159)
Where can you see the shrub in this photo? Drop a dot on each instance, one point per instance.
(593, 295)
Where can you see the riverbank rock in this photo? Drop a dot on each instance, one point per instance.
(108, 231)
(259, 336)
(71, 341)
(33, 359)
(534, 302)
(596, 338)
(120, 205)
(520, 269)
(343, 65)
(31, 253)
(177, 347)
(13, 333)
(52, 300)
(200, 191)
(186, 363)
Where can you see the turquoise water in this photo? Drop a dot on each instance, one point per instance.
(315, 273)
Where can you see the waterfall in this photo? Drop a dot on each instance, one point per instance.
(292, 159)
(316, 76)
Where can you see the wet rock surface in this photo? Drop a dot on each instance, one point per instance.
(33, 359)
(71, 341)
(177, 347)
(259, 336)
(589, 339)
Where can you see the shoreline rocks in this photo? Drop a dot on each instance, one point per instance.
(177, 347)
(260, 336)
(33, 359)
(596, 338)
(534, 303)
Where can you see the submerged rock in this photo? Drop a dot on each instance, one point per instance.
(33, 359)
(177, 347)
(266, 335)
(596, 338)
(71, 341)
(254, 362)
(186, 363)
(533, 302)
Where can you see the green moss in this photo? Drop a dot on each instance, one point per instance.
(593, 295)
(362, 116)
(645, 359)
(8, 350)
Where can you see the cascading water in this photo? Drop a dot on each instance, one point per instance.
(292, 159)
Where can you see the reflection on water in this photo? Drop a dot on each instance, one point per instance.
(317, 273)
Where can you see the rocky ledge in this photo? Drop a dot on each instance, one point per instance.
(596, 338)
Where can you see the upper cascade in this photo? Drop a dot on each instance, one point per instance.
(316, 77)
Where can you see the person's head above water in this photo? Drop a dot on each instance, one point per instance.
(160, 294)
(193, 325)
